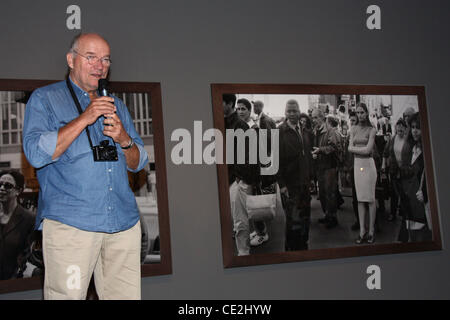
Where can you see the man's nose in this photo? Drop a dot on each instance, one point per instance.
(98, 65)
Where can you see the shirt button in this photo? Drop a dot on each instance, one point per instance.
(109, 170)
(109, 208)
(110, 189)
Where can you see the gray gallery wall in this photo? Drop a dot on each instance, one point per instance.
(186, 45)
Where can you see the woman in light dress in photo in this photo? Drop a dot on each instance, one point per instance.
(361, 144)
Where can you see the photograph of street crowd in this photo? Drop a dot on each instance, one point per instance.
(351, 172)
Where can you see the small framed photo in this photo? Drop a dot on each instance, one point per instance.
(20, 253)
(323, 171)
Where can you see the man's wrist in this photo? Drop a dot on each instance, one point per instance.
(83, 121)
(128, 145)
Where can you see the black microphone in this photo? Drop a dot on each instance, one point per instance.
(103, 87)
(103, 91)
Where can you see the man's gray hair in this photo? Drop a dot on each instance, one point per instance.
(319, 113)
(74, 43)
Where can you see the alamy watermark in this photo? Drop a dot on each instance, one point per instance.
(373, 22)
(73, 21)
(242, 147)
(74, 279)
(374, 280)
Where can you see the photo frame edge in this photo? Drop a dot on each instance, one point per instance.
(164, 267)
(230, 260)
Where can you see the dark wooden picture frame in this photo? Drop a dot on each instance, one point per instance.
(164, 265)
(230, 257)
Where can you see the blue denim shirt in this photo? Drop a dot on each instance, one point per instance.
(75, 190)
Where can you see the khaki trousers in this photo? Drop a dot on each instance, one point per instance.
(71, 256)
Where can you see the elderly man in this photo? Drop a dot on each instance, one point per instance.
(82, 146)
(294, 177)
(325, 155)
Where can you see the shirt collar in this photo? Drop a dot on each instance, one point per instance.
(251, 123)
(78, 91)
(417, 151)
(292, 125)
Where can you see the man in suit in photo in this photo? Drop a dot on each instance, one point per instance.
(294, 177)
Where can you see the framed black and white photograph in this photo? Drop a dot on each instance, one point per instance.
(21, 262)
(324, 171)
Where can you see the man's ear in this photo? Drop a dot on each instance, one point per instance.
(70, 59)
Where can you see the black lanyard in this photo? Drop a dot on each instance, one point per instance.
(77, 104)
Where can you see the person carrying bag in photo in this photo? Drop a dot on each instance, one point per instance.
(261, 206)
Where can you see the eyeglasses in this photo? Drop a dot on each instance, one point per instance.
(94, 59)
(7, 186)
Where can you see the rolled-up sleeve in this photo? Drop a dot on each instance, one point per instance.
(39, 138)
(128, 124)
(143, 158)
